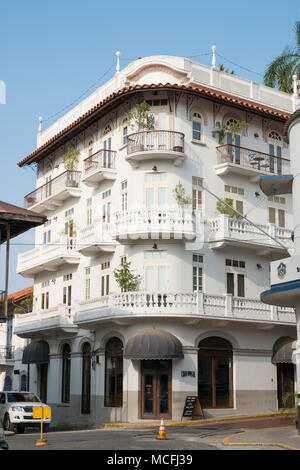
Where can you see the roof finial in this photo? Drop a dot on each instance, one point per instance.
(213, 62)
(118, 53)
(40, 124)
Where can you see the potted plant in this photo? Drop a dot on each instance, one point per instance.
(140, 119)
(126, 279)
(180, 196)
(224, 209)
(70, 161)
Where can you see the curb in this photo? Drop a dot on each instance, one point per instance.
(199, 422)
(226, 442)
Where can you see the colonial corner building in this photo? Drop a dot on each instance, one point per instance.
(194, 324)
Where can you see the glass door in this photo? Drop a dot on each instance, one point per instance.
(156, 389)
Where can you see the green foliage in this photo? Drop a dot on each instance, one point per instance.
(279, 73)
(71, 159)
(290, 398)
(222, 69)
(25, 306)
(235, 128)
(125, 278)
(223, 209)
(140, 117)
(180, 195)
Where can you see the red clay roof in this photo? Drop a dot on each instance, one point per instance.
(21, 294)
(6, 208)
(92, 114)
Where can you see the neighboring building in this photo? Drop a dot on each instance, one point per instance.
(11, 346)
(195, 325)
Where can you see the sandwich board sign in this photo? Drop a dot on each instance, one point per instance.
(192, 407)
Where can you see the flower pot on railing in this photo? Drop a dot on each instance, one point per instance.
(177, 148)
(30, 201)
(71, 184)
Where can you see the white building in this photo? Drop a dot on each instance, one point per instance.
(195, 326)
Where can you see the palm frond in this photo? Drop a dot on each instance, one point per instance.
(280, 71)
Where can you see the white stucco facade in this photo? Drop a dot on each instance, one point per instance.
(126, 208)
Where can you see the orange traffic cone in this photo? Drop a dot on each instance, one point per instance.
(162, 432)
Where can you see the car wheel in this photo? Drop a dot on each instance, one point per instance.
(7, 425)
(20, 429)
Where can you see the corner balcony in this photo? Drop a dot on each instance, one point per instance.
(48, 257)
(125, 308)
(7, 355)
(248, 162)
(95, 239)
(51, 195)
(56, 321)
(224, 230)
(177, 225)
(98, 167)
(155, 145)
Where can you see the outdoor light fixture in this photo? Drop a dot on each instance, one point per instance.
(256, 135)
(154, 246)
(257, 194)
(259, 266)
(154, 168)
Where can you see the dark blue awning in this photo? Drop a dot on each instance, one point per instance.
(36, 353)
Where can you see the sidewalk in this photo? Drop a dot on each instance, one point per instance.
(197, 422)
(286, 438)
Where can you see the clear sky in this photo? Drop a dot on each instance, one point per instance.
(52, 51)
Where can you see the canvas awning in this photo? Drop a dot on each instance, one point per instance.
(283, 351)
(153, 344)
(36, 353)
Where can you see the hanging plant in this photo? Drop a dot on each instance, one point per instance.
(235, 127)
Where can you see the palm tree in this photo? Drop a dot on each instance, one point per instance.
(279, 73)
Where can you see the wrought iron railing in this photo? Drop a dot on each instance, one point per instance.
(69, 179)
(103, 159)
(163, 141)
(249, 158)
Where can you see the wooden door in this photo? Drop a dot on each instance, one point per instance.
(285, 385)
(156, 390)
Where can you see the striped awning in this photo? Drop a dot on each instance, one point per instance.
(283, 350)
(153, 344)
(36, 353)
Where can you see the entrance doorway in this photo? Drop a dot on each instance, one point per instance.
(285, 385)
(43, 379)
(156, 390)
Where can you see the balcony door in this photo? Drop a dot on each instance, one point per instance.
(275, 151)
(233, 144)
(156, 389)
(155, 190)
(156, 271)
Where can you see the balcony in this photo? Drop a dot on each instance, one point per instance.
(224, 230)
(48, 257)
(126, 307)
(176, 225)
(155, 144)
(52, 194)
(248, 162)
(95, 239)
(56, 321)
(99, 166)
(7, 355)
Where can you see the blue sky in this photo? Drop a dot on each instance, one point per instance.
(51, 52)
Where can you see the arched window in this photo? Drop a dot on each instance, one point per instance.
(275, 151)
(7, 384)
(66, 373)
(23, 383)
(107, 129)
(86, 379)
(233, 143)
(114, 373)
(215, 373)
(197, 130)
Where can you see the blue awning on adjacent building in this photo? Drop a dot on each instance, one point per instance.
(273, 185)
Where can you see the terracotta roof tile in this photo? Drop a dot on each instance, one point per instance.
(47, 147)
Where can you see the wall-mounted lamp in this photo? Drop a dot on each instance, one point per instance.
(154, 168)
(257, 194)
(259, 266)
(256, 135)
(154, 246)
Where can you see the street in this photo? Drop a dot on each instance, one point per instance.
(181, 438)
